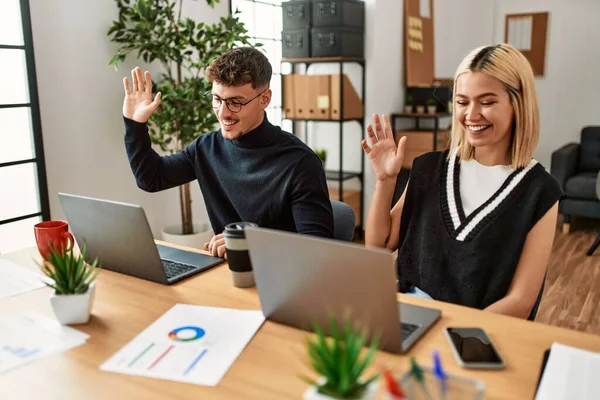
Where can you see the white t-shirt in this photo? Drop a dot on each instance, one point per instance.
(479, 182)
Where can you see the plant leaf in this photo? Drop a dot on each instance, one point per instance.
(70, 274)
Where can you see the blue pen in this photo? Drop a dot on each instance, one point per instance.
(440, 374)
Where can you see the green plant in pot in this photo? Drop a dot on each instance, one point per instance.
(74, 283)
(341, 363)
(156, 32)
(431, 106)
(322, 154)
(408, 105)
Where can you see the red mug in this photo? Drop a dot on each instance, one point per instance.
(50, 233)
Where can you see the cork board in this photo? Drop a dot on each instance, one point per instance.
(418, 43)
(527, 32)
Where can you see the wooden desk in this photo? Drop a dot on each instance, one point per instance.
(268, 368)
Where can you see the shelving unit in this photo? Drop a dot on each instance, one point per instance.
(417, 118)
(340, 175)
(436, 143)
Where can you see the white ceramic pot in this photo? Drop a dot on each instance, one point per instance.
(202, 234)
(312, 394)
(431, 109)
(408, 109)
(73, 308)
(420, 109)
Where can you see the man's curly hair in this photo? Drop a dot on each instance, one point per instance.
(240, 66)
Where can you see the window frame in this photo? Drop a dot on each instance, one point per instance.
(277, 39)
(36, 126)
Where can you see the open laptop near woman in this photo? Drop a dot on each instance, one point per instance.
(301, 279)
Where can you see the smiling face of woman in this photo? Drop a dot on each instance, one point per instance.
(484, 109)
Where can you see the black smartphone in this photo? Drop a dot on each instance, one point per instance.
(473, 348)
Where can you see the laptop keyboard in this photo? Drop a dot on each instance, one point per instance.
(174, 269)
(407, 329)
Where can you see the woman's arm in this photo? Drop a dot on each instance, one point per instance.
(530, 272)
(383, 226)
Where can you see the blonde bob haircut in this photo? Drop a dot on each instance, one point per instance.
(509, 66)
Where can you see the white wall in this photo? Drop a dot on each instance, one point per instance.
(568, 90)
(459, 27)
(80, 101)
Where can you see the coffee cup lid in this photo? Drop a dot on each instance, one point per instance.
(236, 229)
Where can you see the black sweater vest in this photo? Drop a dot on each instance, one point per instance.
(467, 260)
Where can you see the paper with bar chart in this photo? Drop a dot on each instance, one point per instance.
(15, 279)
(27, 337)
(188, 343)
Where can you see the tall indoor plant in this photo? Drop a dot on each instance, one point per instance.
(155, 31)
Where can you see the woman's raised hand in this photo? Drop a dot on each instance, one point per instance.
(385, 156)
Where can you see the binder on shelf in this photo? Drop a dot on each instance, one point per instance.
(301, 95)
(353, 107)
(312, 90)
(289, 90)
(318, 97)
(322, 97)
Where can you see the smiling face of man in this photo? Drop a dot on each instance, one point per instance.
(239, 109)
(240, 90)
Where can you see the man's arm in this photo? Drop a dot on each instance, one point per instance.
(311, 206)
(153, 172)
(532, 266)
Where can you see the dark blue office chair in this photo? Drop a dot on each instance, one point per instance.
(343, 221)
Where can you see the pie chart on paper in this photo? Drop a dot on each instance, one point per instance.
(186, 333)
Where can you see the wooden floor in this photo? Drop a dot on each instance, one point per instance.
(572, 293)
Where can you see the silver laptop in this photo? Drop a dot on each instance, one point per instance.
(301, 279)
(120, 235)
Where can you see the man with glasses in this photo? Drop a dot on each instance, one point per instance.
(248, 170)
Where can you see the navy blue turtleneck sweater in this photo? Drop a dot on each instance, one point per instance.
(267, 176)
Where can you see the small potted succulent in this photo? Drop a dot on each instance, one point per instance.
(431, 106)
(338, 363)
(408, 106)
(73, 281)
(322, 154)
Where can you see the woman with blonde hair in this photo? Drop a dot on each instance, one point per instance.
(476, 222)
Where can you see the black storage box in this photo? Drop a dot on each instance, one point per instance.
(295, 43)
(296, 14)
(337, 42)
(342, 13)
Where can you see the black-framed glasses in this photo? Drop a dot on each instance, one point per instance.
(232, 104)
